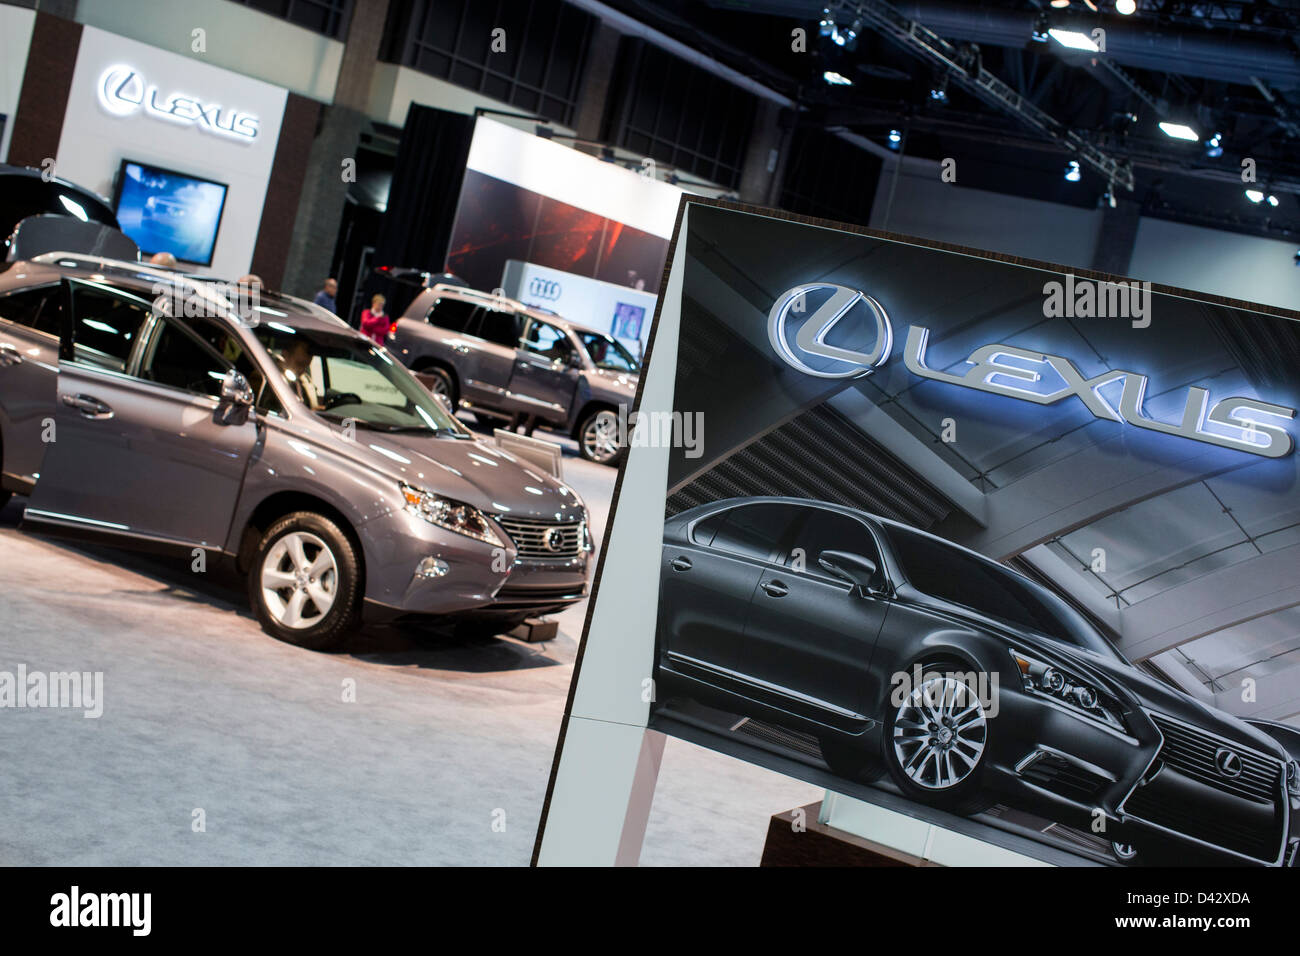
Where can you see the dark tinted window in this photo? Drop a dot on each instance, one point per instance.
(451, 314)
(756, 531)
(184, 362)
(547, 341)
(499, 327)
(35, 308)
(829, 531)
(195, 355)
(106, 324)
(987, 588)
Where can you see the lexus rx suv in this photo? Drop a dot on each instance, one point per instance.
(138, 405)
(967, 682)
(501, 358)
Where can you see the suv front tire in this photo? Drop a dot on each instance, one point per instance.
(305, 581)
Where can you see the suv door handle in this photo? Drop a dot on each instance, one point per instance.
(9, 355)
(88, 405)
(681, 564)
(775, 588)
(462, 349)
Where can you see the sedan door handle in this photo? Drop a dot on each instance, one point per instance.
(88, 405)
(775, 588)
(9, 355)
(682, 564)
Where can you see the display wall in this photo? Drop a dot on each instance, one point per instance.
(537, 202)
(101, 129)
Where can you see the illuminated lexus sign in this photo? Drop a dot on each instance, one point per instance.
(850, 334)
(124, 91)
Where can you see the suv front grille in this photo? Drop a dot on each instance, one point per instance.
(544, 539)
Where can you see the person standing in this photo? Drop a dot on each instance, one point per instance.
(374, 323)
(325, 297)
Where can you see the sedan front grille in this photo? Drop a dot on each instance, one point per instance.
(1191, 752)
(536, 539)
(1188, 793)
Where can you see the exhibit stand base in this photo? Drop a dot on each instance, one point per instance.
(798, 838)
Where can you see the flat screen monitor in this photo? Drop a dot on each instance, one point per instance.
(167, 211)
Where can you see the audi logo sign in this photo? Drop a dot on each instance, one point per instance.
(548, 289)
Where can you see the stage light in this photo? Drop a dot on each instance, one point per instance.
(827, 25)
(1041, 26)
(1074, 40)
(1214, 146)
(1255, 195)
(939, 92)
(1126, 8)
(1072, 172)
(1179, 131)
(1060, 4)
(1272, 200)
(895, 139)
(836, 79)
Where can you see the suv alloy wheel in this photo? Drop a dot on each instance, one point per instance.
(304, 583)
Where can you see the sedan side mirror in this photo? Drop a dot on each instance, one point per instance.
(854, 568)
(236, 399)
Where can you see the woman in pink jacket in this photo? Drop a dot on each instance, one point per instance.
(374, 323)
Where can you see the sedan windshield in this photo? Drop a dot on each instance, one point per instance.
(607, 352)
(983, 586)
(345, 378)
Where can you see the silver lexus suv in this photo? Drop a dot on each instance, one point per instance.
(498, 357)
(138, 405)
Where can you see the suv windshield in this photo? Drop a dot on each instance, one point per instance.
(607, 352)
(952, 575)
(345, 378)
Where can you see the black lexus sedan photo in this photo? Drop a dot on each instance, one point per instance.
(966, 682)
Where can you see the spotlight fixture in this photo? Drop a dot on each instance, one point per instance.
(1108, 199)
(836, 79)
(1272, 200)
(1060, 4)
(1074, 39)
(939, 92)
(1214, 146)
(1072, 172)
(827, 25)
(1179, 131)
(1126, 8)
(895, 140)
(1041, 27)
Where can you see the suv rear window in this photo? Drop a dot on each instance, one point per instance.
(451, 314)
(35, 308)
(502, 328)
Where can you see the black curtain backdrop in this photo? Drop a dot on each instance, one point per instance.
(422, 201)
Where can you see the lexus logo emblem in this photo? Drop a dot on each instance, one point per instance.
(1227, 762)
(843, 335)
(544, 288)
(553, 540)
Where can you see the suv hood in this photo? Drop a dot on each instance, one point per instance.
(469, 471)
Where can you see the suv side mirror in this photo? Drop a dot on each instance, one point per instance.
(236, 399)
(575, 360)
(859, 571)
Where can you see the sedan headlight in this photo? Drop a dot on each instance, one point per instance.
(450, 514)
(1048, 680)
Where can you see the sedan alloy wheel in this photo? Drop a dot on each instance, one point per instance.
(939, 733)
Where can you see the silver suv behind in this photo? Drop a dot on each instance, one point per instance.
(501, 358)
(137, 405)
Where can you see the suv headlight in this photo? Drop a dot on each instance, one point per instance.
(1084, 697)
(450, 514)
(1293, 778)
